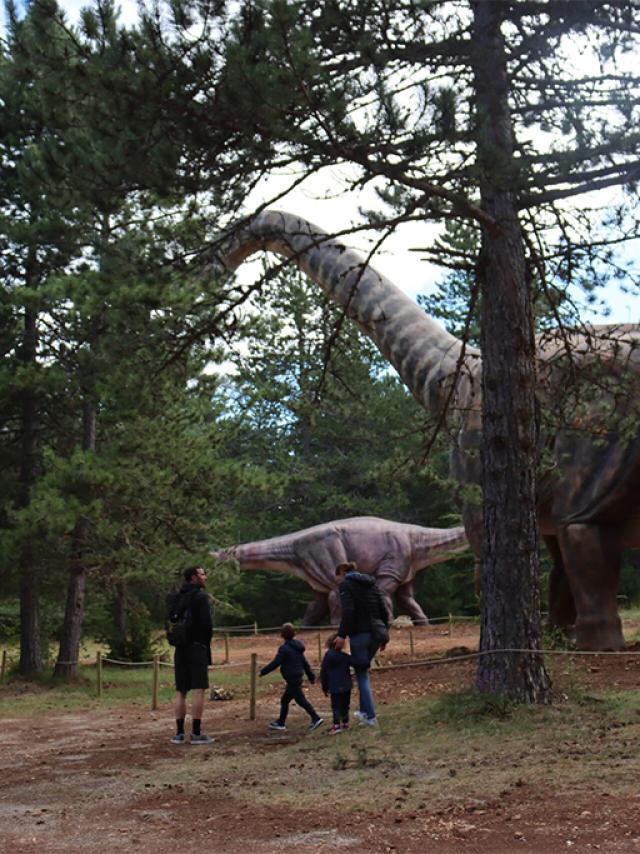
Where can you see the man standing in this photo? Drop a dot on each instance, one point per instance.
(192, 659)
(362, 603)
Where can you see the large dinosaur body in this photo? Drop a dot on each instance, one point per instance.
(392, 551)
(589, 503)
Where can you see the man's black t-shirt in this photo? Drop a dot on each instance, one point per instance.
(200, 625)
(191, 661)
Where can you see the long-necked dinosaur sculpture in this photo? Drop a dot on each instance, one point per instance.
(392, 551)
(589, 504)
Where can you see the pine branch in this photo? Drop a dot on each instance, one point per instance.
(624, 176)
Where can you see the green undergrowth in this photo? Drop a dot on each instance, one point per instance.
(466, 707)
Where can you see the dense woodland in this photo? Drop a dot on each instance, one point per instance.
(152, 409)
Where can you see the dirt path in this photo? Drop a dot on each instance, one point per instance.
(110, 780)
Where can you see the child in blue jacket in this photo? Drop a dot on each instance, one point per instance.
(335, 678)
(291, 660)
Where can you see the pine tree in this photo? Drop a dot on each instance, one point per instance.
(37, 243)
(112, 222)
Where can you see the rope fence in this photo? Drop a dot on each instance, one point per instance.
(252, 662)
(254, 629)
(421, 662)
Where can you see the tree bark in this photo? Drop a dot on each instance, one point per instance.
(121, 616)
(69, 650)
(30, 649)
(510, 578)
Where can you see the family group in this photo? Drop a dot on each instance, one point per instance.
(364, 621)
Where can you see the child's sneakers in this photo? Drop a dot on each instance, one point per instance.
(360, 716)
(178, 738)
(369, 722)
(315, 724)
(277, 725)
(336, 729)
(344, 726)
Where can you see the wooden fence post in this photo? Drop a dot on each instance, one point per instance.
(450, 625)
(156, 680)
(255, 628)
(319, 648)
(226, 649)
(252, 686)
(3, 666)
(411, 647)
(99, 673)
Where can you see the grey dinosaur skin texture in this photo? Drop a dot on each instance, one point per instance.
(589, 503)
(392, 551)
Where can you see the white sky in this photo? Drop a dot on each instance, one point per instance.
(319, 201)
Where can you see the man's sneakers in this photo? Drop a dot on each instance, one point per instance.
(201, 738)
(315, 724)
(360, 716)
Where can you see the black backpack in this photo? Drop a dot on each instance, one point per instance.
(180, 620)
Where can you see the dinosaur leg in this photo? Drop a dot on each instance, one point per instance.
(591, 555)
(562, 607)
(408, 605)
(387, 586)
(316, 609)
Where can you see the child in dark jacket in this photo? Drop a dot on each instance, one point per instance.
(335, 678)
(291, 660)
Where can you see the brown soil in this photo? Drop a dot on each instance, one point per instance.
(110, 781)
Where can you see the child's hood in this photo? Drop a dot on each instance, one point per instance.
(337, 655)
(296, 644)
(362, 578)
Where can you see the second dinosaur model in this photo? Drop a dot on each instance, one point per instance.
(392, 551)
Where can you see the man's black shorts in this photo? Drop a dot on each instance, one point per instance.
(191, 667)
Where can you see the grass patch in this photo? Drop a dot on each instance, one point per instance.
(457, 749)
(122, 685)
(466, 707)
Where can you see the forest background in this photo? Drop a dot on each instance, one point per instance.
(148, 415)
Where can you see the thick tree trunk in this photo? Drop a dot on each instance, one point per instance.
(510, 579)
(69, 650)
(121, 615)
(30, 649)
